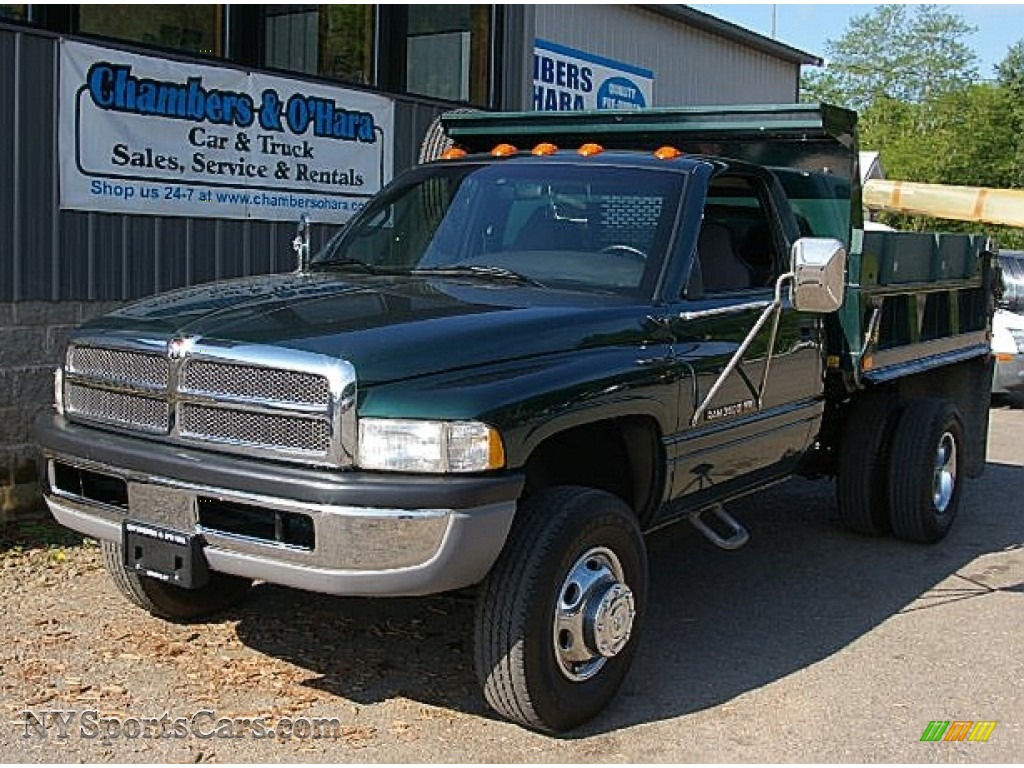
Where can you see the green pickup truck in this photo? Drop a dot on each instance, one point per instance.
(565, 331)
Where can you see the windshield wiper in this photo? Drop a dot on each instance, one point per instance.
(347, 261)
(480, 270)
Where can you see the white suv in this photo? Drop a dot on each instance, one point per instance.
(1008, 327)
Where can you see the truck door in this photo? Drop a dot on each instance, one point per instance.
(744, 416)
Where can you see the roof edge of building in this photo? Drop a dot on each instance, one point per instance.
(734, 32)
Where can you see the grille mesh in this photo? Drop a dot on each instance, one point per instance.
(143, 413)
(119, 365)
(255, 382)
(289, 432)
(102, 383)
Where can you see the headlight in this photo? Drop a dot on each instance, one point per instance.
(58, 390)
(406, 445)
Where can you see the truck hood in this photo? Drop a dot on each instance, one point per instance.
(389, 328)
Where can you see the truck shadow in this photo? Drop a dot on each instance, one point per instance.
(719, 623)
(1013, 401)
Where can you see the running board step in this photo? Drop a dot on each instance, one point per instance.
(735, 535)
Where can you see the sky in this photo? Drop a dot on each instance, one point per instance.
(808, 25)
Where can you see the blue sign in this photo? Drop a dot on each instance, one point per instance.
(566, 79)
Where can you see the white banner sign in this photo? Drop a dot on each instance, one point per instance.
(145, 135)
(566, 79)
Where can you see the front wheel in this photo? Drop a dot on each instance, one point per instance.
(168, 601)
(558, 618)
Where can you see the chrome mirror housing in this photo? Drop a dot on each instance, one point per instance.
(819, 274)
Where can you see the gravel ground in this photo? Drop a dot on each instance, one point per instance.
(810, 644)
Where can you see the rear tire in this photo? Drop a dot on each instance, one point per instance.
(862, 477)
(926, 471)
(167, 601)
(558, 617)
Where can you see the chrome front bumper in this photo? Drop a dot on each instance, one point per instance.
(358, 550)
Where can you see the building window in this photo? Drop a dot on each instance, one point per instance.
(448, 52)
(15, 12)
(334, 41)
(191, 28)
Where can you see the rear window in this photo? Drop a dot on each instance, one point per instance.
(820, 202)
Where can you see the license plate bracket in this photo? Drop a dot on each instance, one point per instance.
(167, 555)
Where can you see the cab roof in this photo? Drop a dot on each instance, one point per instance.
(632, 158)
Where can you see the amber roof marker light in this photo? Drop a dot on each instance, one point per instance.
(504, 150)
(667, 153)
(454, 153)
(544, 148)
(590, 149)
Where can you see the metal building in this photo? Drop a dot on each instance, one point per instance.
(695, 58)
(68, 252)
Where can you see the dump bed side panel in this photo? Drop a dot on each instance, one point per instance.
(914, 301)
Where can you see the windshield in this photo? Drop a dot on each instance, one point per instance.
(572, 226)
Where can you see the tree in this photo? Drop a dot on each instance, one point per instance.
(1010, 71)
(915, 85)
(971, 139)
(898, 52)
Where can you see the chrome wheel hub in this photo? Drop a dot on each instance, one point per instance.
(594, 614)
(944, 477)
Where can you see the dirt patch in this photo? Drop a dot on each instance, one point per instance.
(374, 673)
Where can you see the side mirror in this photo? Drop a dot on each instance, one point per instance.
(819, 274)
(301, 243)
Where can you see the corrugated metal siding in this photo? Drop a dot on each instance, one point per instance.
(51, 255)
(8, 142)
(690, 66)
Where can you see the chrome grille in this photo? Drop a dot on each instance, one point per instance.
(148, 414)
(291, 432)
(138, 368)
(252, 399)
(247, 381)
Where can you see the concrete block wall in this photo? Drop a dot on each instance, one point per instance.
(32, 339)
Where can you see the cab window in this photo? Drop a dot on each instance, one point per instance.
(738, 246)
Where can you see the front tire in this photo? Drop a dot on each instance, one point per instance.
(168, 601)
(558, 617)
(925, 471)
